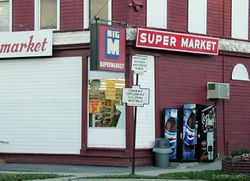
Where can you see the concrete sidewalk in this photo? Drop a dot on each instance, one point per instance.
(74, 172)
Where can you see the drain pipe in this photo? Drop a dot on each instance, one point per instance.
(225, 144)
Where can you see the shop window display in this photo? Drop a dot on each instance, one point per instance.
(105, 103)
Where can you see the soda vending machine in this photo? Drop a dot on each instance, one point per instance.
(191, 132)
(171, 122)
(206, 135)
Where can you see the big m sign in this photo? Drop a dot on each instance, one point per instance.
(108, 48)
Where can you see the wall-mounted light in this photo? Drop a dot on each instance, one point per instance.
(136, 4)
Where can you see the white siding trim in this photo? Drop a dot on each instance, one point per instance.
(75, 37)
(40, 105)
(240, 14)
(79, 37)
(145, 125)
(197, 16)
(234, 45)
(157, 13)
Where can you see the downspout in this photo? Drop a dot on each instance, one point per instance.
(225, 144)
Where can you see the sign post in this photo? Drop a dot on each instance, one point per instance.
(136, 96)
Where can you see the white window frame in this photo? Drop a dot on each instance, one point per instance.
(152, 17)
(97, 136)
(240, 72)
(10, 16)
(240, 18)
(196, 24)
(37, 15)
(86, 14)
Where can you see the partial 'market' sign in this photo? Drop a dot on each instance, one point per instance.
(163, 40)
(108, 48)
(26, 44)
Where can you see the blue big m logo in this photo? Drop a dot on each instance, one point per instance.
(112, 44)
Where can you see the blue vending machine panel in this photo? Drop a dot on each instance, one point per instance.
(189, 131)
(170, 130)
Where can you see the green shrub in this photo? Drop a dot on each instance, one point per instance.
(236, 156)
(235, 153)
(245, 150)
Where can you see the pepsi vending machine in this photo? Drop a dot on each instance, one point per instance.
(171, 122)
(189, 133)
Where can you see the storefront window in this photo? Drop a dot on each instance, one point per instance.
(4, 15)
(105, 103)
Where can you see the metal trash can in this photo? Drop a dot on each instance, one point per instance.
(162, 150)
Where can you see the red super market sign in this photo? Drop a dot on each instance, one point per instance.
(163, 40)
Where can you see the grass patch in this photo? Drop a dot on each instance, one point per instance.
(203, 175)
(207, 175)
(20, 177)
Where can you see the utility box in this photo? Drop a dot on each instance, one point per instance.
(217, 90)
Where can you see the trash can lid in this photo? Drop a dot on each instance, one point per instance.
(162, 143)
(163, 150)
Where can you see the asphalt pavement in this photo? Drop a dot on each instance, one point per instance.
(75, 172)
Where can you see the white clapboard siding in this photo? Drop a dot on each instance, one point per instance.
(145, 127)
(40, 105)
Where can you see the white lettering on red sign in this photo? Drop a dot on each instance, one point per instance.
(176, 42)
(26, 44)
(111, 65)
